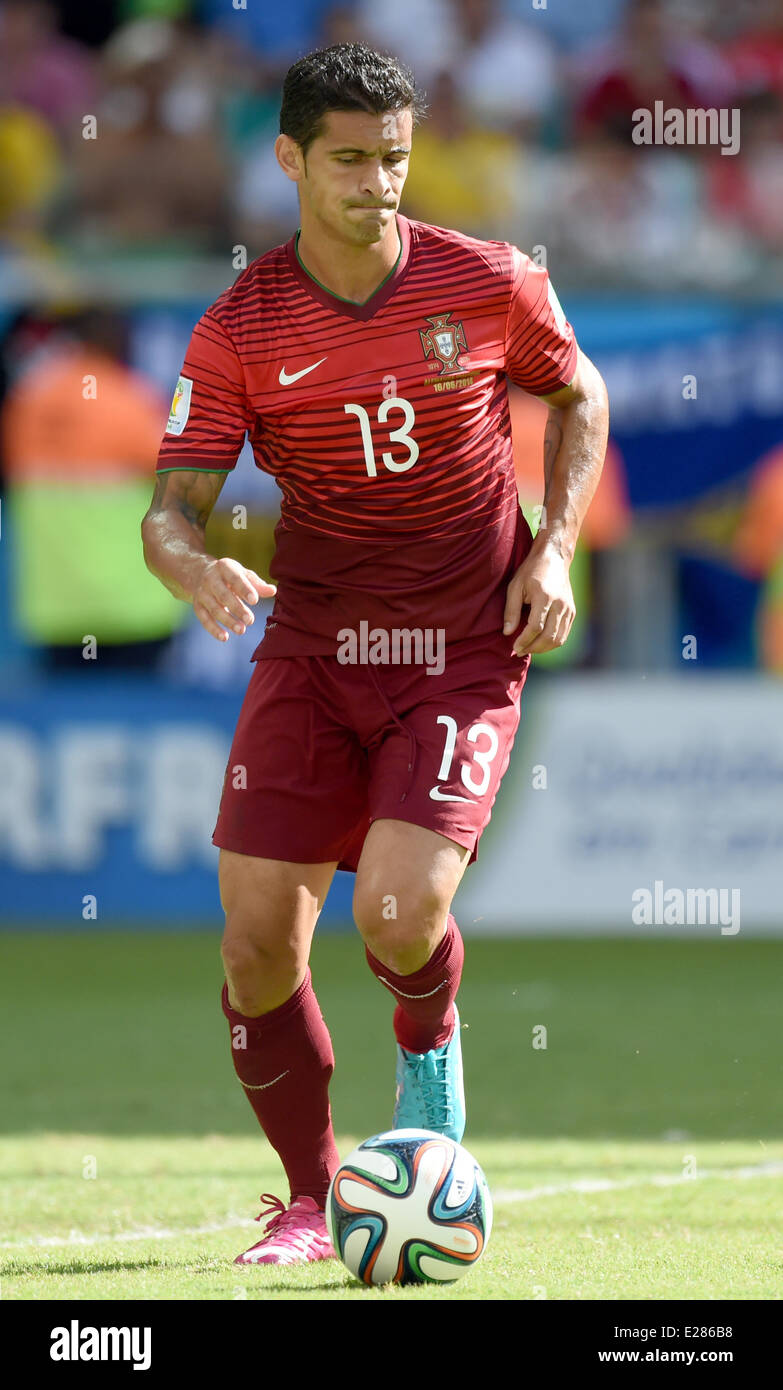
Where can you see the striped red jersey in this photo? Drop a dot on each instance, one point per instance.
(385, 425)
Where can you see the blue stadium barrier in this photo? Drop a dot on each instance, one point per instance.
(108, 796)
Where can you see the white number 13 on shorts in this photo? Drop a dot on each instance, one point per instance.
(482, 757)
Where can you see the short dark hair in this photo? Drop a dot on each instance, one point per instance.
(345, 77)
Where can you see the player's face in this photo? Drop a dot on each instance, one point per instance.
(352, 178)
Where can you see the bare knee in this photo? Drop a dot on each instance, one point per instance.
(401, 929)
(260, 977)
(405, 882)
(271, 910)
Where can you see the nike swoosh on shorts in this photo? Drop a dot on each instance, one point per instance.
(437, 795)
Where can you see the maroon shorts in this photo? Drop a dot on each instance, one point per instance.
(322, 749)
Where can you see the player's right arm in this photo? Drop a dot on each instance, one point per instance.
(173, 532)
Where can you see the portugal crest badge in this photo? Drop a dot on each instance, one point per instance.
(444, 341)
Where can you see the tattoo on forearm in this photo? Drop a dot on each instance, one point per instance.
(193, 495)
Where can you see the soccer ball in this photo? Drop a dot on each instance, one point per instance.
(409, 1207)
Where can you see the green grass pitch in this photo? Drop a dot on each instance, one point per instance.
(638, 1155)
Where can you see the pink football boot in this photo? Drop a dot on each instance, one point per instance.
(294, 1235)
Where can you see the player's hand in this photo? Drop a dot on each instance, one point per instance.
(542, 582)
(223, 594)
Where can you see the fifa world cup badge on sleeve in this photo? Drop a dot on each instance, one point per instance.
(180, 406)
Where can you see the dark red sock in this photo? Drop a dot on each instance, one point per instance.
(424, 1017)
(284, 1060)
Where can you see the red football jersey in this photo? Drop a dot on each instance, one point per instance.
(386, 426)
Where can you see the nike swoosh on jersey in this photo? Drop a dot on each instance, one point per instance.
(286, 378)
(437, 795)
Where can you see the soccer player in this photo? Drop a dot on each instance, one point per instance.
(367, 360)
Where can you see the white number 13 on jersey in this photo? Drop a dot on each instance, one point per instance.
(402, 435)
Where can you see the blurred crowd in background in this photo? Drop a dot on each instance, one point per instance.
(528, 136)
(139, 133)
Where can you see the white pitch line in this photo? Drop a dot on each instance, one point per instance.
(77, 1238)
(502, 1197)
(531, 1194)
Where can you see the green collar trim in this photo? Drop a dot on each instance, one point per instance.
(343, 300)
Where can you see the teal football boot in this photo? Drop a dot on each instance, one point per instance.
(430, 1089)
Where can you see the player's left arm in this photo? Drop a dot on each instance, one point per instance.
(574, 450)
